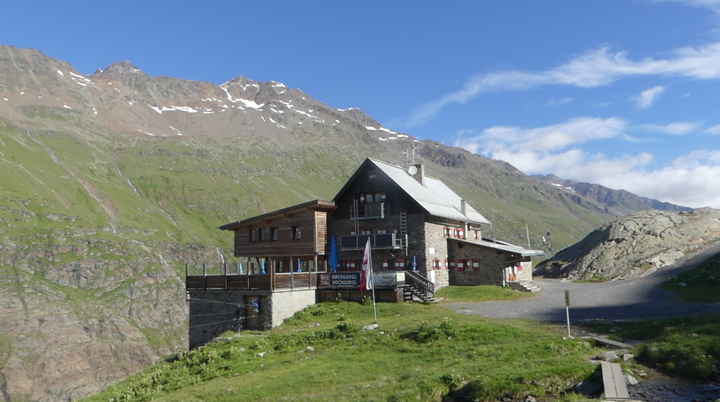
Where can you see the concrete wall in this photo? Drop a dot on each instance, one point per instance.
(285, 304)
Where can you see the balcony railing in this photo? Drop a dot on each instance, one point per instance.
(386, 241)
(369, 211)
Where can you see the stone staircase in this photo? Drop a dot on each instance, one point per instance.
(524, 286)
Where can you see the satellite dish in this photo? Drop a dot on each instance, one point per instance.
(412, 170)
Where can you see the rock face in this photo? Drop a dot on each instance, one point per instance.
(635, 245)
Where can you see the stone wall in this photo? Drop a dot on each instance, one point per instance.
(214, 312)
(436, 248)
(490, 270)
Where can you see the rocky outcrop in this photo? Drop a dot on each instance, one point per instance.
(635, 245)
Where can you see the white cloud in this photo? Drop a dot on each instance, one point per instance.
(592, 69)
(678, 128)
(713, 130)
(556, 149)
(648, 97)
(544, 139)
(687, 181)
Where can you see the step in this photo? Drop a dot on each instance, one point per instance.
(615, 344)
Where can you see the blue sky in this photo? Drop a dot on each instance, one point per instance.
(622, 93)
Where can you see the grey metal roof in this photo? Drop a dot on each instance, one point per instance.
(502, 246)
(435, 197)
(312, 205)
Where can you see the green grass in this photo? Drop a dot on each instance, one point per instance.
(407, 358)
(686, 347)
(479, 294)
(701, 283)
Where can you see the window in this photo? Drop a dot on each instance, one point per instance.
(253, 235)
(262, 234)
(296, 233)
(372, 176)
(274, 236)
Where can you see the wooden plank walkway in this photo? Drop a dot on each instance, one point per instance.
(614, 382)
(615, 344)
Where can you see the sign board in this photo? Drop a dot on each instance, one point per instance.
(388, 279)
(339, 280)
(352, 279)
(567, 298)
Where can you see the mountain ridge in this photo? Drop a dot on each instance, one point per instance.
(615, 202)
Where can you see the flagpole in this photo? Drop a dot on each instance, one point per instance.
(367, 276)
(373, 295)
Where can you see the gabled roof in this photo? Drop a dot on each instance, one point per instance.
(434, 197)
(502, 246)
(314, 205)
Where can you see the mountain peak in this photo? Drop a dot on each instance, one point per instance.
(119, 69)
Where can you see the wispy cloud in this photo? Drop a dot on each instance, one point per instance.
(713, 130)
(648, 97)
(678, 128)
(707, 4)
(592, 69)
(558, 102)
(544, 139)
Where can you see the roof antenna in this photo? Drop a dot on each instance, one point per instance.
(410, 153)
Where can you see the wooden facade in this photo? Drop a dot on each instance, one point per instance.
(280, 250)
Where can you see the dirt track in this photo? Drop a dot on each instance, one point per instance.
(638, 298)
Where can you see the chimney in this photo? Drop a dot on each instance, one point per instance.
(420, 175)
(463, 205)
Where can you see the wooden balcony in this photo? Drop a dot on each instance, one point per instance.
(277, 281)
(385, 241)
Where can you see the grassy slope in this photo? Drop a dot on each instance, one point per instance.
(402, 360)
(698, 284)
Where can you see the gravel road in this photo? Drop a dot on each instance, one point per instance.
(638, 298)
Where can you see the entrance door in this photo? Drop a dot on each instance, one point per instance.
(252, 312)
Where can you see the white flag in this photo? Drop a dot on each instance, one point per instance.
(366, 276)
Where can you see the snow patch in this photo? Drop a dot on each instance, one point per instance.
(67, 107)
(394, 138)
(80, 79)
(95, 111)
(173, 108)
(61, 73)
(248, 103)
(176, 130)
(6, 99)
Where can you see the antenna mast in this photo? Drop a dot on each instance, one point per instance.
(410, 154)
